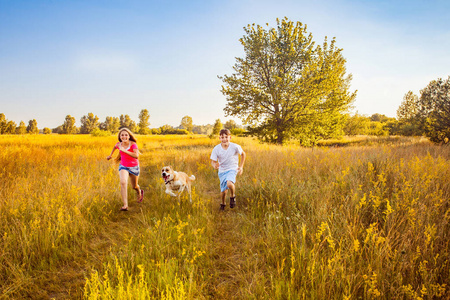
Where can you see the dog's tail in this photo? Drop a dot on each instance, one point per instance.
(192, 177)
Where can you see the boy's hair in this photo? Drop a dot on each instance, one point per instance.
(225, 131)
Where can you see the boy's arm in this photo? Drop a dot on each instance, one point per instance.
(241, 167)
(215, 164)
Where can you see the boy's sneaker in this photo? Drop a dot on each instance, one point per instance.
(222, 206)
(232, 202)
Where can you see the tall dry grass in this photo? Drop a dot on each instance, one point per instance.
(55, 193)
(363, 222)
(367, 222)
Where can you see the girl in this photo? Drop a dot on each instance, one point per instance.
(129, 165)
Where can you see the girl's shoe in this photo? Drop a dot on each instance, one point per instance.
(124, 209)
(142, 196)
(222, 206)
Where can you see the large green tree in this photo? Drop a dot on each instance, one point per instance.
(285, 84)
(434, 111)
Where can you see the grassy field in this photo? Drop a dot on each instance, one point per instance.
(362, 219)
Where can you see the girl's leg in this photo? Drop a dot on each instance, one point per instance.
(123, 174)
(134, 183)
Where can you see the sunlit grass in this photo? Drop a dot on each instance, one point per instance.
(357, 222)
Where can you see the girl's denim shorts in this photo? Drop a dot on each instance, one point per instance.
(132, 170)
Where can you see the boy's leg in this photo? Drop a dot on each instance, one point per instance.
(223, 196)
(232, 188)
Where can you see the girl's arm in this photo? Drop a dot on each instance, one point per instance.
(134, 153)
(112, 152)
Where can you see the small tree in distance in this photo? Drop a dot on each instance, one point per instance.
(32, 127)
(111, 124)
(22, 129)
(407, 115)
(186, 123)
(89, 123)
(125, 121)
(144, 123)
(217, 127)
(68, 127)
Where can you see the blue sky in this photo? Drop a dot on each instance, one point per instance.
(116, 57)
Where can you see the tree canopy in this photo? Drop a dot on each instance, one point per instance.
(217, 127)
(434, 112)
(32, 127)
(285, 86)
(126, 121)
(68, 126)
(144, 122)
(111, 124)
(89, 123)
(407, 115)
(186, 123)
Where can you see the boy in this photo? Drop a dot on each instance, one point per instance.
(225, 158)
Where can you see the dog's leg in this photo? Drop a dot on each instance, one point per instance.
(170, 193)
(188, 187)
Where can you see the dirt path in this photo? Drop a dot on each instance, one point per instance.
(234, 259)
(231, 265)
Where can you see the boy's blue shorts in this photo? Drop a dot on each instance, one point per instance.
(227, 176)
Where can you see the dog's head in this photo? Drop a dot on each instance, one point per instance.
(167, 173)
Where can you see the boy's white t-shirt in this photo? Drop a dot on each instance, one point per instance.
(228, 159)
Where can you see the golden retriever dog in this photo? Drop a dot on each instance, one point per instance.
(176, 182)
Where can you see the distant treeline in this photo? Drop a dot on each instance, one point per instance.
(90, 124)
(356, 124)
(427, 115)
